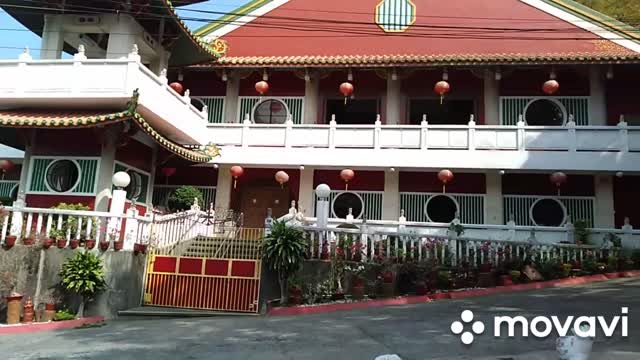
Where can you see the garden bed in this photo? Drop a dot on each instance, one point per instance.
(48, 326)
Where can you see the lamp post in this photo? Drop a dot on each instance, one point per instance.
(322, 215)
(118, 199)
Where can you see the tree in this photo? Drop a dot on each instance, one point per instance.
(627, 11)
(284, 250)
(83, 275)
(183, 198)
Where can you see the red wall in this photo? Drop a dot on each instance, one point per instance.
(264, 177)
(363, 180)
(77, 142)
(466, 183)
(626, 197)
(622, 92)
(203, 83)
(14, 173)
(47, 201)
(135, 154)
(281, 83)
(539, 184)
(192, 175)
(573, 81)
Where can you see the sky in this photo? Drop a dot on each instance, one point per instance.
(14, 37)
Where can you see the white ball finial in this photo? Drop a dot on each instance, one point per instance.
(121, 179)
(323, 191)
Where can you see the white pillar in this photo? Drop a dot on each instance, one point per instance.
(491, 98)
(231, 100)
(306, 192)
(493, 201)
(224, 187)
(52, 37)
(152, 180)
(391, 196)
(26, 163)
(161, 62)
(597, 98)
(604, 215)
(122, 36)
(394, 103)
(105, 170)
(311, 98)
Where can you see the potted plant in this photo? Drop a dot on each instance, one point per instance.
(295, 291)
(8, 283)
(118, 245)
(46, 241)
(49, 301)
(83, 275)
(388, 277)
(28, 240)
(283, 250)
(356, 270)
(74, 243)
(139, 248)
(184, 197)
(59, 235)
(10, 241)
(89, 244)
(104, 245)
(515, 275)
(582, 232)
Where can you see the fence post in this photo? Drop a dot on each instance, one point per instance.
(246, 131)
(287, 131)
(471, 139)
(376, 132)
(131, 228)
(511, 228)
(16, 216)
(624, 134)
(570, 229)
(520, 133)
(424, 133)
(332, 132)
(571, 128)
(627, 236)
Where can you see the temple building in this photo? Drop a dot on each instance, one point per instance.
(522, 111)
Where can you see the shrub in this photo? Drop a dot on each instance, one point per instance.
(62, 315)
(551, 269)
(184, 197)
(582, 232)
(70, 223)
(590, 265)
(284, 249)
(635, 257)
(515, 275)
(83, 275)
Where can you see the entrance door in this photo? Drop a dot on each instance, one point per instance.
(256, 200)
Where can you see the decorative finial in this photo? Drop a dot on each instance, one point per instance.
(134, 49)
(25, 56)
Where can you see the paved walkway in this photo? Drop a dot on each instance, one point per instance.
(413, 332)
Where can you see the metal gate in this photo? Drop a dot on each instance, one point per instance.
(208, 267)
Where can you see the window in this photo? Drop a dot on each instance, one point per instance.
(345, 201)
(548, 212)
(358, 111)
(441, 209)
(545, 112)
(62, 175)
(134, 189)
(270, 111)
(450, 112)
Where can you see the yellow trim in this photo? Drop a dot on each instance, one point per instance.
(248, 9)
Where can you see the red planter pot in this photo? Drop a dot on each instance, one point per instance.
(74, 243)
(47, 243)
(387, 277)
(505, 280)
(118, 245)
(10, 240)
(357, 292)
(89, 244)
(104, 245)
(421, 289)
(139, 248)
(28, 241)
(50, 307)
(61, 243)
(295, 296)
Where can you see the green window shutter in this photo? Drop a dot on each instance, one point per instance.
(215, 105)
(296, 108)
(89, 171)
(578, 107)
(38, 175)
(511, 107)
(246, 106)
(471, 206)
(143, 188)
(6, 187)
(294, 103)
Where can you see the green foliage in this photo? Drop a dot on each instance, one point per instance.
(590, 265)
(456, 228)
(635, 257)
(183, 198)
(515, 275)
(284, 250)
(581, 228)
(552, 269)
(627, 11)
(70, 223)
(612, 263)
(62, 315)
(614, 239)
(83, 274)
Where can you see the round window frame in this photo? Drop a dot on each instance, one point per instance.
(265, 99)
(426, 204)
(565, 115)
(46, 176)
(333, 212)
(138, 176)
(564, 211)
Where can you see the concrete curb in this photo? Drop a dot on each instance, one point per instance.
(304, 310)
(53, 325)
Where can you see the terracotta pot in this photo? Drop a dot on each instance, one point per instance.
(74, 243)
(48, 315)
(13, 309)
(505, 280)
(387, 277)
(139, 248)
(28, 241)
(89, 244)
(9, 241)
(47, 243)
(104, 245)
(357, 292)
(421, 288)
(28, 312)
(62, 243)
(50, 307)
(118, 245)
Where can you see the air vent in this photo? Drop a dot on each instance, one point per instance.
(87, 20)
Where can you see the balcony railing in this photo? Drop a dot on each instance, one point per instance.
(107, 83)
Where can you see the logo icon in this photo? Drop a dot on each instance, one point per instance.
(457, 327)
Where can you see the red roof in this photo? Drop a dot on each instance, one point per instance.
(307, 28)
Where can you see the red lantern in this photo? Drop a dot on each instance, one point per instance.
(346, 89)
(347, 175)
(168, 171)
(262, 87)
(282, 177)
(558, 178)
(177, 87)
(442, 87)
(236, 172)
(446, 176)
(6, 166)
(550, 87)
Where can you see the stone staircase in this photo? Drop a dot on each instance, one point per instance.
(236, 245)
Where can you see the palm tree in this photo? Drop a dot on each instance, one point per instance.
(284, 250)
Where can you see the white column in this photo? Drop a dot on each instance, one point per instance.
(122, 37)
(26, 163)
(394, 108)
(152, 177)
(224, 187)
(52, 37)
(491, 98)
(597, 98)
(306, 192)
(105, 170)
(604, 216)
(161, 62)
(231, 99)
(391, 196)
(311, 98)
(493, 200)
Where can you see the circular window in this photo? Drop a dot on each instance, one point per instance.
(134, 189)
(62, 175)
(545, 112)
(548, 212)
(441, 209)
(270, 111)
(345, 201)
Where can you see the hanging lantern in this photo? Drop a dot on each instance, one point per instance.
(442, 87)
(282, 177)
(236, 171)
(168, 171)
(550, 87)
(177, 87)
(346, 89)
(6, 166)
(347, 175)
(558, 178)
(446, 176)
(262, 87)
